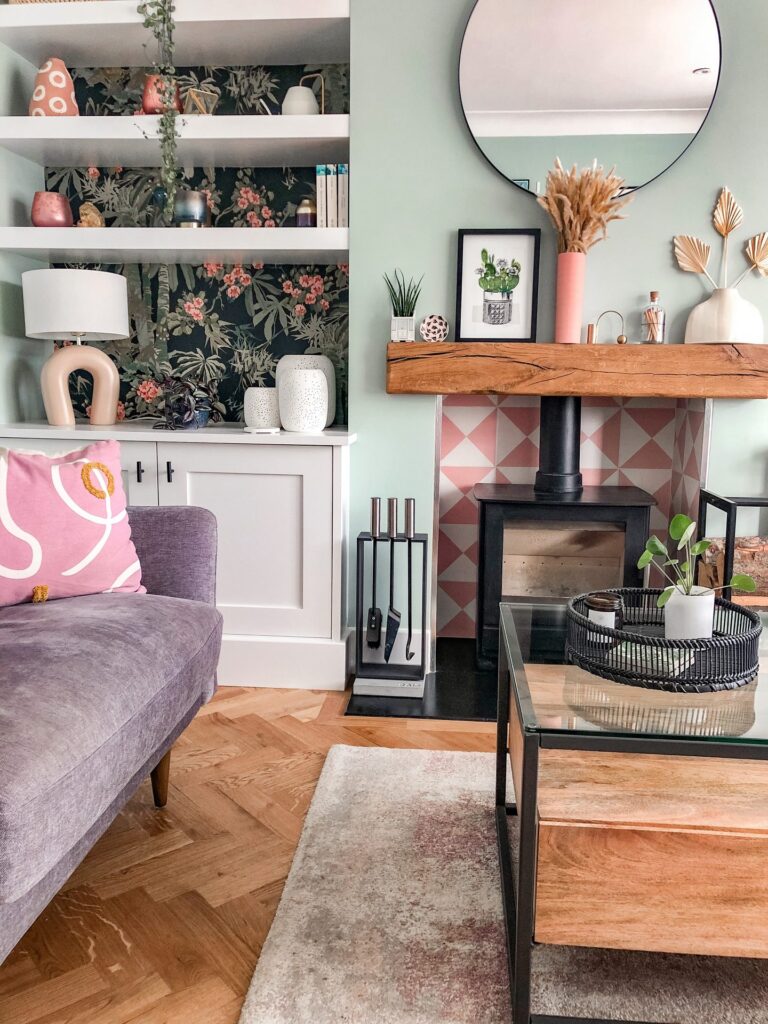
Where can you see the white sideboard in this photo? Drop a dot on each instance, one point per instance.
(281, 505)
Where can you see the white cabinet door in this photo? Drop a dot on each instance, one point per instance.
(274, 506)
(138, 459)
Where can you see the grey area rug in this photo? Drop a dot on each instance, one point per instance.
(392, 915)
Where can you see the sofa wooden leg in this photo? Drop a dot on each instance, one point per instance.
(160, 776)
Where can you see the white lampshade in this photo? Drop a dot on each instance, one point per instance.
(88, 305)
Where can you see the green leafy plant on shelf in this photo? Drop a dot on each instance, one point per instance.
(681, 571)
(159, 18)
(403, 295)
(498, 276)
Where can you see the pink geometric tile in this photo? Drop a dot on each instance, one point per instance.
(525, 455)
(464, 511)
(525, 418)
(483, 437)
(650, 456)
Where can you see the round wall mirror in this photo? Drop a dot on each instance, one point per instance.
(623, 82)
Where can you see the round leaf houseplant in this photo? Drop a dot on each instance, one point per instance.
(688, 608)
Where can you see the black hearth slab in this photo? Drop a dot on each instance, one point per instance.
(523, 494)
(457, 691)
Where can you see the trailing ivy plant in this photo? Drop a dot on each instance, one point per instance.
(159, 18)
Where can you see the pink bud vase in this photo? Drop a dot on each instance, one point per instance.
(51, 210)
(569, 305)
(154, 101)
(54, 91)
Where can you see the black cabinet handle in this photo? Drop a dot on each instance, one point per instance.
(139, 472)
(169, 472)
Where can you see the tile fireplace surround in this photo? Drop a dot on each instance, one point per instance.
(659, 445)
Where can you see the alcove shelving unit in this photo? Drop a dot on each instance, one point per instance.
(95, 33)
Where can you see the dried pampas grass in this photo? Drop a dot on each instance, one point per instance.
(581, 204)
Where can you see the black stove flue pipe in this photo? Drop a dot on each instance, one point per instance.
(559, 446)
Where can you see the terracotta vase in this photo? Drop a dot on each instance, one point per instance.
(54, 91)
(153, 101)
(725, 317)
(51, 210)
(569, 305)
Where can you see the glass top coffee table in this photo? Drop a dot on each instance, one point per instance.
(642, 814)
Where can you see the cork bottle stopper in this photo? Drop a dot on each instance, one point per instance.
(654, 296)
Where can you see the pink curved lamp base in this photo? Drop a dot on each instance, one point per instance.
(54, 381)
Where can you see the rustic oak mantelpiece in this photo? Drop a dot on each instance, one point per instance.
(603, 371)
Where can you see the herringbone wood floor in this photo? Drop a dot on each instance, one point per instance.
(164, 920)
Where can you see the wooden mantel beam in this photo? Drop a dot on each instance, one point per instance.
(603, 371)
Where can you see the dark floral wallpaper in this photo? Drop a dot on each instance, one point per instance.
(224, 325)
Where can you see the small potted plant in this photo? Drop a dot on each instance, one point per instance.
(403, 298)
(688, 609)
(498, 279)
(190, 404)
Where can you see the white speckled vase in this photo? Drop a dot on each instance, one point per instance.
(260, 410)
(312, 361)
(303, 399)
(725, 317)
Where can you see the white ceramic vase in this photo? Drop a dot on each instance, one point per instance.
(690, 616)
(402, 328)
(311, 361)
(724, 317)
(303, 400)
(261, 411)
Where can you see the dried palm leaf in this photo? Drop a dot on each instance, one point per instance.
(692, 254)
(727, 215)
(757, 253)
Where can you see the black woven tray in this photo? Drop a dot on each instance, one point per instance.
(729, 660)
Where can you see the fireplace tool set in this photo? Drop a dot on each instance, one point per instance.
(391, 646)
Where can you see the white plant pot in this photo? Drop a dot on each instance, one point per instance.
(260, 411)
(300, 99)
(312, 361)
(303, 400)
(402, 328)
(690, 616)
(725, 317)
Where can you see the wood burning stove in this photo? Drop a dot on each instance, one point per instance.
(556, 538)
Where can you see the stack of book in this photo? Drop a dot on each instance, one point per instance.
(332, 195)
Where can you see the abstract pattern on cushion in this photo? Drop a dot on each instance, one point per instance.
(64, 528)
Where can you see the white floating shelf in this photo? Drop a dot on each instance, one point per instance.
(110, 33)
(205, 141)
(178, 245)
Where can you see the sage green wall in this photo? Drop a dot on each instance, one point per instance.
(20, 358)
(416, 177)
(638, 158)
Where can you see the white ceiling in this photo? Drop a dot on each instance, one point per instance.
(592, 58)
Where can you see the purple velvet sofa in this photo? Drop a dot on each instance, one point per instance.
(93, 693)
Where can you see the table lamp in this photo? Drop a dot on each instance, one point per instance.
(79, 306)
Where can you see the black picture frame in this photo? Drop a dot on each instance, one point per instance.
(467, 233)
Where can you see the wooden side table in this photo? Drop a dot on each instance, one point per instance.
(642, 815)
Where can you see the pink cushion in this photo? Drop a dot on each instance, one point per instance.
(63, 525)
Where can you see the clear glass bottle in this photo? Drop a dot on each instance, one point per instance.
(653, 322)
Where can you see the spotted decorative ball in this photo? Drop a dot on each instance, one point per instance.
(434, 328)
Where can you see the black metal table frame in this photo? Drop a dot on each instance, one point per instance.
(730, 506)
(518, 885)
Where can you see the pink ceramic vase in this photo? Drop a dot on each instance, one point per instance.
(54, 91)
(51, 210)
(153, 100)
(569, 305)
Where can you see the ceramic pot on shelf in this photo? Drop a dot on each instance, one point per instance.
(261, 411)
(51, 210)
(569, 304)
(497, 309)
(690, 616)
(402, 328)
(303, 399)
(310, 361)
(190, 209)
(53, 94)
(154, 100)
(725, 317)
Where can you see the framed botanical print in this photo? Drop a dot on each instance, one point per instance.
(497, 290)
